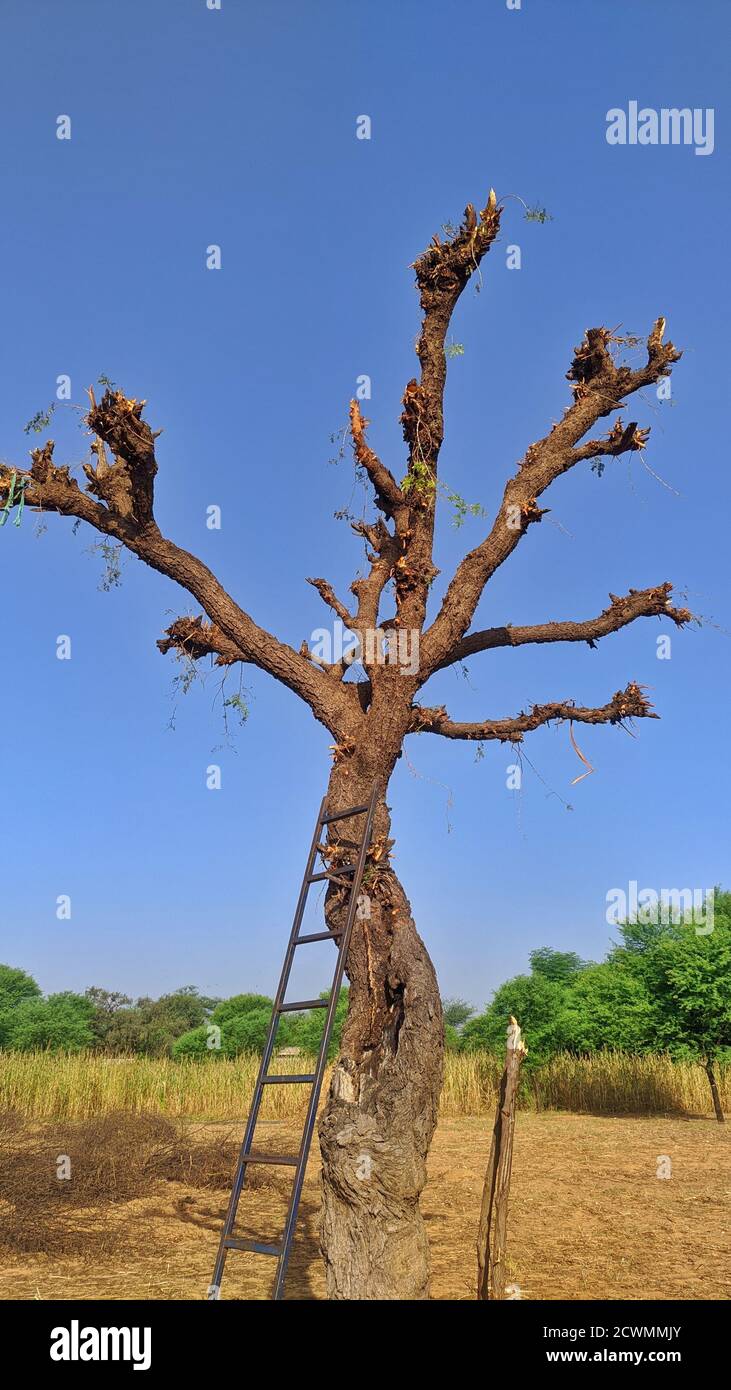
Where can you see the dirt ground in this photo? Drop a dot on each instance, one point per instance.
(590, 1218)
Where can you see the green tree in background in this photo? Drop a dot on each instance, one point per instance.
(234, 1029)
(240, 1004)
(106, 1004)
(536, 1001)
(456, 1012)
(15, 986)
(686, 973)
(309, 1027)
(61, 1023)
(247, 1032)
(560, 966)
(153, 1025)
(605, 1007)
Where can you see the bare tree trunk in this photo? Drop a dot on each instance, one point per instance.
(381, 1112)
(492, 1234)
(714, 1091)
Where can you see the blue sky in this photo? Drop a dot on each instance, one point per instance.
(238, 127)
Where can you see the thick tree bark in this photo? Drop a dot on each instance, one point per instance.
(381, 1112)
(710, 1073)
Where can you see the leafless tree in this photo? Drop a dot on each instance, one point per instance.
(385, 1088)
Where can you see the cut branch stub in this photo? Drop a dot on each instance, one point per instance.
(389, 496)
(591, 359)
(444, 268)
(127, 486)
(194, 638)
(328, 596)
(621, 439)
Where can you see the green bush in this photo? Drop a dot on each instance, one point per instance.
(195, 1044)
(61, 1023)
(153, 1025)
(248, 1032)
(245, 1032)
(536, 1001)
(15, 987)
(240, 1004)
(308, 1028)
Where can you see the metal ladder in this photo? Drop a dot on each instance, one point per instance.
(349, 875)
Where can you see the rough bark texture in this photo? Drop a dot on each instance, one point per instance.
(380, 1117)
(492, 1236)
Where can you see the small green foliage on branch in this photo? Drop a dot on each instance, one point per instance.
(40, 421)
(537, 214)
(111, 554)
(239, 705)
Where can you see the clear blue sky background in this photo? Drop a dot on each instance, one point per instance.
(237, 127)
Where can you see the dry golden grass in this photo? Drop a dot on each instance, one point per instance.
(616, 1083)
(112, 1160)
(41, 1085)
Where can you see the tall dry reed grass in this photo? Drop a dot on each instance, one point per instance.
(43, 1085)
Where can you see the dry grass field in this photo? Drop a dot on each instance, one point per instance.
(44, 1085)
(589, 1216)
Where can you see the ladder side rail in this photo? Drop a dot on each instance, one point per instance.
(322, 1054)
(240, 1174)
(282, 986)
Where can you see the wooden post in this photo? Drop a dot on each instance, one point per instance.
(492, 1235)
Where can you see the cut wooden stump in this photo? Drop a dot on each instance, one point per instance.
(492, 1234)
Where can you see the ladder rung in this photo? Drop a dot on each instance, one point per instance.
(303, 1004)
(343, 815)
(259, 1248)
(284, 1080)
(332, 873)
(318, 936)
(286, 1159)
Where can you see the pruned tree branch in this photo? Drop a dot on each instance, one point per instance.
(442, 272)
(621, 439)
(383, 560)
(638, 603)
(195, 639)
(389, 497)
(328, 596)
(125, 513)
(127, 485)
(599, 387)
(625, 704)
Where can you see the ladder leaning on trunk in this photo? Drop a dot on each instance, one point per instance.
(350, 876)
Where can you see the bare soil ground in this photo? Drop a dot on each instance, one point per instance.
(589, 1218)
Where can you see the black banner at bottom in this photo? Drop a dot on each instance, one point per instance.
(151, 1338)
